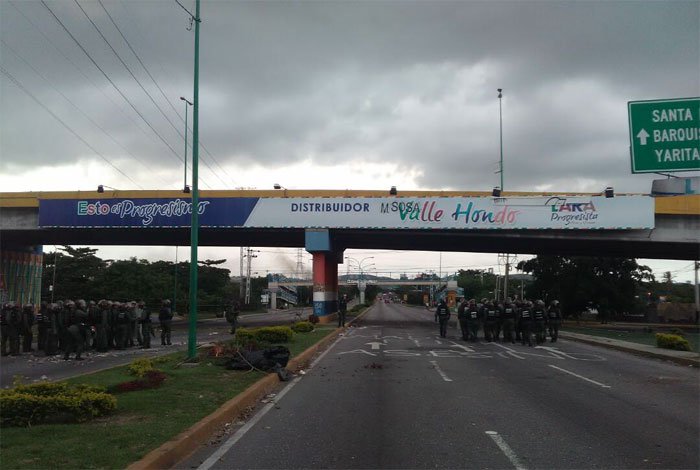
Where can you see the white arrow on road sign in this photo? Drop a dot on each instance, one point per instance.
(375, 345)
(642, 135)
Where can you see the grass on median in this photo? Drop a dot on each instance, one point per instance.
(639, 337)
(143, 420)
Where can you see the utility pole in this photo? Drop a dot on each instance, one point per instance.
(241, 287)
(697, 293)
(250, 255)
(505, 279)
(500, 125)
(55, 262)
(194, 237)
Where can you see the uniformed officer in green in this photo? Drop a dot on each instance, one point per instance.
(443, 315)
(231, 315)
(14, 328)
(102, 326)
(43, 325)
(462, 318)
(5, 328)
(146, 326)
(508, 321)
(473, 319)
(554, 320)
(539, 316)
(165, 316)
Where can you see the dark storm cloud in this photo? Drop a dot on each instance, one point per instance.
(410, 83)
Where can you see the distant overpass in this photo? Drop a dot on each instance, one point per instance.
(674, 232)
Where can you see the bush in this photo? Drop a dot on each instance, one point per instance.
(49, 402)
(274, 334)
(140, 367)
(244, 335)
(302, 327)
(670, 341)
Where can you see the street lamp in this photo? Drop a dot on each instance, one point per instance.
(500, 125)
(101, 188)
(186, 189)
(360, 269)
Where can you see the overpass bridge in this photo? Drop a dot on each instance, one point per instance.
(328, 222)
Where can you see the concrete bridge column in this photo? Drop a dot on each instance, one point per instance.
(20, 274)
(325, 273)
(273, 300)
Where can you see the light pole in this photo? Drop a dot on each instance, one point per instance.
(360, 282)
(500, 125)
(186, 189)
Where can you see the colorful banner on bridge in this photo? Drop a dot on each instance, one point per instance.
(455, 213)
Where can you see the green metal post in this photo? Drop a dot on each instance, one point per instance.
(194, 238)
(500, 126)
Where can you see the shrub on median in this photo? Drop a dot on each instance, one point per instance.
(302, 327)
(274, 334)
(670, 341)
(265, 334)
(49, 402)
(139, 367)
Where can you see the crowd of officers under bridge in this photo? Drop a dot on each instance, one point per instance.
(517, 320)
(74, 327)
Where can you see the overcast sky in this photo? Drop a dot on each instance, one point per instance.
(336, 95)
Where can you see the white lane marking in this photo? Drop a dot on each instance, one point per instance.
(505, 448)
(226, 446)
(416, 342)
(511, 351)
(461, 346)
(439, 371)
(376, 345)
(579, 376)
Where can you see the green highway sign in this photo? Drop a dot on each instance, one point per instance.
(665, 135)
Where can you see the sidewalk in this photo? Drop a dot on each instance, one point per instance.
(686, 358)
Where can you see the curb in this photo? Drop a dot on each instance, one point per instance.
(182, 445)
(684, 361)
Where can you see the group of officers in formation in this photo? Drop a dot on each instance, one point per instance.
(518, 320)
(74, 327)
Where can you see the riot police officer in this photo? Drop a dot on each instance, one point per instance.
(14, 328)
(526, 323)
(146, 326)
(43, 325)
(462, 317)
(165, 316)
(26, 329)
(491, 317)
(5, 328)
(122, 326)
(472, 319)
(231, 315)
(540, 319)
(443, 315)
(508, 321)
(102, 326)
(554, 320)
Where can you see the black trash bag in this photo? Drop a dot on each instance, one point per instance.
(283, 374)
(266, 359)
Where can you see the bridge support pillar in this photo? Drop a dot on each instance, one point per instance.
(273, 300)
(325, 275)
(20, 274)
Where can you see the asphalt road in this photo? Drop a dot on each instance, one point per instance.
(392, 394)
(36, 366)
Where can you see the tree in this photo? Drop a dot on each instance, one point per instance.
(611, 284)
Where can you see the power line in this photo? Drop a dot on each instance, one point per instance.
(165, 97)
(78, 136)
(11, 49)
(94, 85)
(43, 2)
